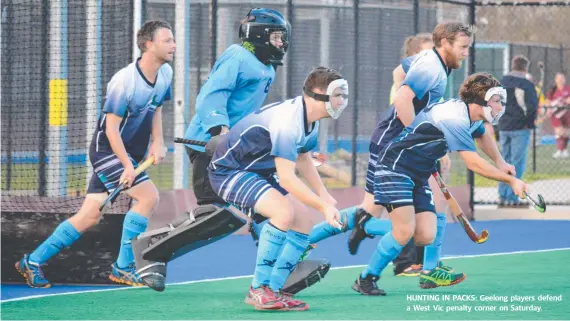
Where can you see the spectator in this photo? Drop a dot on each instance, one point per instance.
(516, 124)
(559, 95)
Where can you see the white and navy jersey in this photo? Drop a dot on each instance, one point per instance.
(275, 130)
(134, 98)
(426, 75)
(440, 128)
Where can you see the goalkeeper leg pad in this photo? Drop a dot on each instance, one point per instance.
(203, 225)
(306, 274)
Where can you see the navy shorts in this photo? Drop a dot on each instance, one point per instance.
(384, 133)
(242, 189)
(107, 169)
(393, 190)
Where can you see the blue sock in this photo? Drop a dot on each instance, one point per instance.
(63, 236)
(133, 225)
(376, 226)
(271, 241)
(324, 230)
(432, 252)
(386, 251)
(294, 247)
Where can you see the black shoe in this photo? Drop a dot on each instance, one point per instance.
(367, 285)
(358, 233)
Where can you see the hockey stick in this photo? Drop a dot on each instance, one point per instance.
(456, 210)
(179, 140)
(540, 205)
(141, 168)
(318, 158)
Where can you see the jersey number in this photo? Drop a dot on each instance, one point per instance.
(268, 85)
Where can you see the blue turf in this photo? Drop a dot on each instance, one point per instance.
(235, 255)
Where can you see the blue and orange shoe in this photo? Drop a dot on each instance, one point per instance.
(32, 272)
(126, 275)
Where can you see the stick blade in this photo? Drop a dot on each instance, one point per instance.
(483, 237)
(541, 204)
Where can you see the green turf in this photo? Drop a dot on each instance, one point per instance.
(531, 274)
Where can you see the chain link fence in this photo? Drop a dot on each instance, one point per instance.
(44, 160)
(536, 30)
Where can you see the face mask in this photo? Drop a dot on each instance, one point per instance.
(494, 120)
(333, 112)
(488, 110)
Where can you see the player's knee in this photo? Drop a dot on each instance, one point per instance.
(89, 214)
(149, 199)
(403, 232)
(284, 214)
(86, 218)
(424, 237)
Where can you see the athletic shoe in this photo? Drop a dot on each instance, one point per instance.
(307, 252)
(367, 285)
(440, 277)
(358, 233)
(291, 303)
(126, 275)
(263, 298)
(32, 272)
(412, 270)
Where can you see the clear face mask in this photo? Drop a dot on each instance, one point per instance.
(336, 98)
(488, 110)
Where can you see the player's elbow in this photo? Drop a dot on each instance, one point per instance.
(112, 133)
(472, 164)
(288, 181)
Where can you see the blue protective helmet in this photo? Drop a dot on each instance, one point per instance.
(257, 28)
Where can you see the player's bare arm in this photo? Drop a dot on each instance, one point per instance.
(480, 166)
(308, 170)
(290, 182)
(490, 148)
(403, 103)
(114, 135)
(157, 148)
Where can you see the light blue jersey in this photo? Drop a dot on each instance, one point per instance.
(134, 98)
(276, 130)
(237, 86)
(439, 128)
(426, 75)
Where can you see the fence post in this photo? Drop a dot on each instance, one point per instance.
(58, 99)
(42, 178)
(470, 70)
(181, 90)
(213, 31)
(94, 60)
(7, 16)
(416, 17)
(355, 90)
(289, 56)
